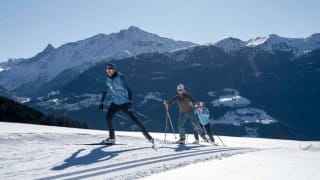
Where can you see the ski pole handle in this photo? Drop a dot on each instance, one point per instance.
(166, 104)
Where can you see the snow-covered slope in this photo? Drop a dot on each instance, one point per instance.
(272, 43)
(50, 62)
(240, 111)
(43, 152)
(230, 44)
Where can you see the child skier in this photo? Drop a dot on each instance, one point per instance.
(203, 115)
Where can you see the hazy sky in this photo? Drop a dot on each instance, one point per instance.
(27, 26)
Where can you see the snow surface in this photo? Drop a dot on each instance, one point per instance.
(2, 69)
(61, 102)
(241, 112)
(272, 43)
(155, 96)
(46, 152)
(55, 100)
(232, 99)
(230, 44)
(22, 99)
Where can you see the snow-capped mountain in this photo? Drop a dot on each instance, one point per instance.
(266, 86)
(11, 62)
(46, 65)
(240, 102)
(273, 43)
(230, 44)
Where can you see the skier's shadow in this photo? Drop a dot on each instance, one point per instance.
(96, 155)
(183, 147)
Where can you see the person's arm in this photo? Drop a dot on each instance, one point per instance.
(169, 102)
(192, 100)
(173, 100)
(197, 112)
(206, 113)
(103, 96)
(126, 86)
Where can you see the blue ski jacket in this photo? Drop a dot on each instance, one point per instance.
(118, 88)
(203, 116)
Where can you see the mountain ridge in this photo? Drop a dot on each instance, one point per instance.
(51, 61)
(225, 82)
(273, 42)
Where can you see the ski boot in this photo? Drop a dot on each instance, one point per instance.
(181, 141)
(205, 139)
(213, 143)
(196, 141)
(109, 141)
(154, 145)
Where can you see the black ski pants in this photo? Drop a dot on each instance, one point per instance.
(208, 131)
(126, 108)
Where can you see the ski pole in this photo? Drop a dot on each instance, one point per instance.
(206, 130)
(216, 135)
(172, 128)
(221, 140)
(174, 133)
(166, 128)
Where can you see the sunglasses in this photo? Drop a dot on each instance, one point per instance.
(180, 90)
(109, 70)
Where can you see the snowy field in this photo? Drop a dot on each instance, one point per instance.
(43, 152)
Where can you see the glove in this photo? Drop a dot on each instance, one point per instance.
(196, 105)
(101, 107)
(166, 104)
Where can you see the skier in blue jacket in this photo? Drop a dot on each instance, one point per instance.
(203, 115)
(121, 98)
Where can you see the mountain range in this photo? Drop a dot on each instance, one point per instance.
(272, 43)
(264, 87)
(33, 73)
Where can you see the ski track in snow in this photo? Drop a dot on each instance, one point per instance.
(49, 155)
(146, 166)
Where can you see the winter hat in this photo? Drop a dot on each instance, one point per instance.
(111, 66)
(180, 87)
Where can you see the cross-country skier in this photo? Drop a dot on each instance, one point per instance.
(185, 102)
(203, 115)
(121, 98)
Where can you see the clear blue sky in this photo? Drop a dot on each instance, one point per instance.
(27, 26)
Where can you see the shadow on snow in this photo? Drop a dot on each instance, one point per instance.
(96, 155)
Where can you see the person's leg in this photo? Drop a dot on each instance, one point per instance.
(129, 111)
(209, 132)
(196, 135)
(181, 122)
(112, 110)
(195, 124)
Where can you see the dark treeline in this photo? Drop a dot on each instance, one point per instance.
(11, 111)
